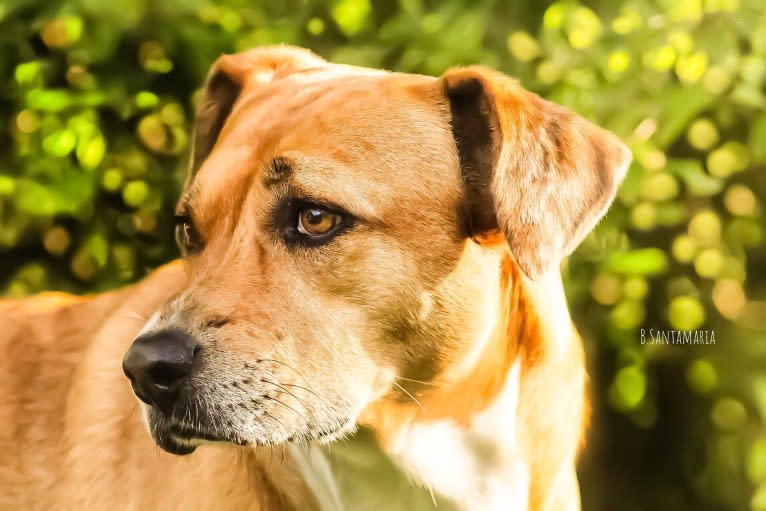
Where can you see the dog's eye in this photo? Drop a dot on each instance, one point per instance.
(315, 221)
(306, 223)
(187, 237)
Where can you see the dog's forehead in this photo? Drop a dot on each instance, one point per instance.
(388, 126)
(345, 104)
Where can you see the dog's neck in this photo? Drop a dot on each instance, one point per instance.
(467, 437)
(474, 461)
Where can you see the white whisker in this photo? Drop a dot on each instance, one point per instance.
(416, 381)
(411, 396)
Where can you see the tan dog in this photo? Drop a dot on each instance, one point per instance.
(360, 248)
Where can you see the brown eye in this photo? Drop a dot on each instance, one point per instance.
(317, 221)
(187, 237)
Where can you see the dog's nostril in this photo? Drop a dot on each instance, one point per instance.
(158, 363)
(165, 375)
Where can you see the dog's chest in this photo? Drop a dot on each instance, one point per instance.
(445, 470)
(432, 465)
(355, 475)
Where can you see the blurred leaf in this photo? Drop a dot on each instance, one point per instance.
(49, 100)
(697, 181)
(679, 107)
(57, 100)
(61, 197)
(686, 313)
(523, 46)
(350, 15)
(628, 389)
(7, 186)
(91, 150)
(757, 140)
(756, 466)
(135, 193)
(647, 261)
(60, 143)
(62, 32)
(146, 99)
(670, 214)
(702, 376)
(28, 73)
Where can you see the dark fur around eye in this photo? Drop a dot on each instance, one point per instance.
(188, 239)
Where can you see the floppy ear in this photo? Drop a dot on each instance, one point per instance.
(539, 173)
(227, 78)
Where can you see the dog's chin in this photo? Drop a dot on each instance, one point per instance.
(179, 438)
(177, 445)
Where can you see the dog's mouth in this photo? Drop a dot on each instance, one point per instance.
(182, 439)
(183, 434)
(180, 436)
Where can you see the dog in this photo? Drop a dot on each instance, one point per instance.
(368, 313)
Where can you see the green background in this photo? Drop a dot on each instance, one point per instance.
(96, 101)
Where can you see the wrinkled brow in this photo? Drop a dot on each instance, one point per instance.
(187, 198)
(277, 171)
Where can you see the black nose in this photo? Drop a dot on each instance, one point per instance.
(157, 364)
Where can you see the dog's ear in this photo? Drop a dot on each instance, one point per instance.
(540, 174)
(227, 78)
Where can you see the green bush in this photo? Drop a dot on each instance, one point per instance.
(97, 103)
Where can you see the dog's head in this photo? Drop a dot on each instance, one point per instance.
(342, 228)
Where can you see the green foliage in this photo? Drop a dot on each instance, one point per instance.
(98, 103)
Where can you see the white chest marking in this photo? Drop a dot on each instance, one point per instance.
(478, 467)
